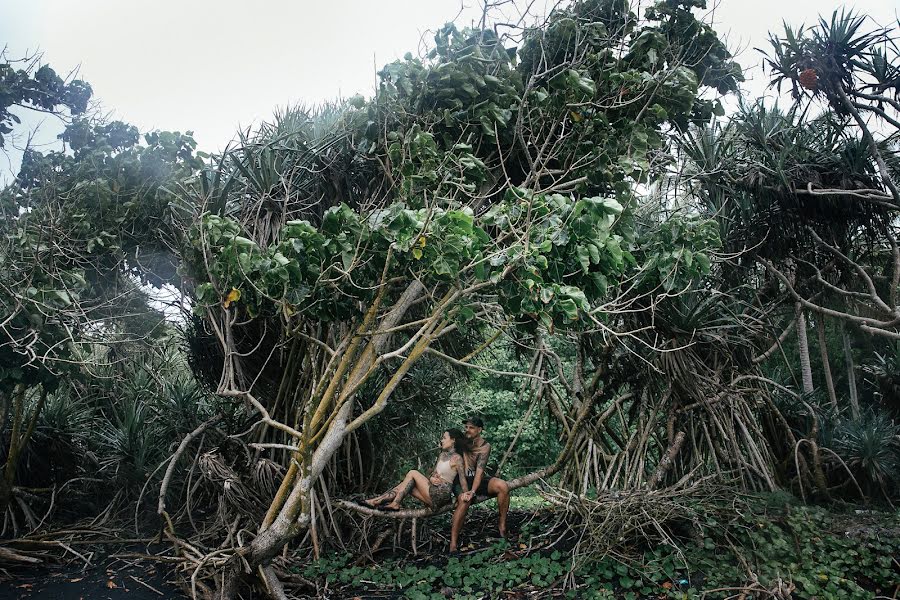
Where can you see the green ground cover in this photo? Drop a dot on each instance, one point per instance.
(809, 551)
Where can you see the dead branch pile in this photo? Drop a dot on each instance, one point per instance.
(612, 522)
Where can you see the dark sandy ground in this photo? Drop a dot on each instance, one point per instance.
(113, 579)
(119, 578)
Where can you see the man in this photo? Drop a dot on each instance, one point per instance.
(479, 482)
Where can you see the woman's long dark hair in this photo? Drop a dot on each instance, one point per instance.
(461, 443)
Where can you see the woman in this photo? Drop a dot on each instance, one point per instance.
(434, 491)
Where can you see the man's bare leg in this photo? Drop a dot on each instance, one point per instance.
(500, 489)
(459, 517)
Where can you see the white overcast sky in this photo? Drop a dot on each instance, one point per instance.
(213, 65)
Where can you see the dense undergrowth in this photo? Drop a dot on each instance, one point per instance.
(769, 546)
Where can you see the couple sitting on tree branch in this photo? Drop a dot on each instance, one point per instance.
(463, 459)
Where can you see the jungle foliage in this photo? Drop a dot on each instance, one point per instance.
(661, 312)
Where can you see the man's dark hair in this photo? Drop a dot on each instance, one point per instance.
(461, 443)
(476, 421)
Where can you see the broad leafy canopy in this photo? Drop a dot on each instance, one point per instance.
(75, 223)
(510, 172)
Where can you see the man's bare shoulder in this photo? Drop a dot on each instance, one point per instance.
(481, 454)
(481, 448)
(484, 448)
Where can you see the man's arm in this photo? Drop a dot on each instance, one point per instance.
(481, 463)
(461, 473)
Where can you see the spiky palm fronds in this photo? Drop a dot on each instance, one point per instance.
(58, 450)
(885, 371)
(66, 416)
(181, 404)
(830, 55)
(145, 403)
(701, 341)
(296, 166)
(753, 175)
(870, 446)
(125, 445)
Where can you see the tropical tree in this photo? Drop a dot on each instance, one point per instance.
(74, 225)
(855, 71)
(484, 189)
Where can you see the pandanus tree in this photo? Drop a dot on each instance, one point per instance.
(853, 68)
(849, 67)
(805, 198)
(755, 173)
(484, 189)
(852, 71)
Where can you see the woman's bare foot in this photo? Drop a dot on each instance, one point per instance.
(392, 506)
(378, 500)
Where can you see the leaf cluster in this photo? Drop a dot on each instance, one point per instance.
(570, 254)
(75, 224)
(36, 88)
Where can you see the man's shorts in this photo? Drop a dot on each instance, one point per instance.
(482, 487)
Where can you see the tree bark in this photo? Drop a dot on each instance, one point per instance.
(290, 512)
(666, 462)
(803, 349)
(851, 371)
(826, 364)
(22, 427)
(5, 494)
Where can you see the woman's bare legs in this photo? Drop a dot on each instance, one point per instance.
(414, 483)
(388, 495)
